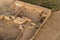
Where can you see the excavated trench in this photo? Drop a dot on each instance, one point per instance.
(20, 21)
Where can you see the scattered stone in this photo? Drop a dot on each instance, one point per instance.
(19, 20)
(7, 17)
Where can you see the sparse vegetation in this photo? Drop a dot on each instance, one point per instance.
(51, 4)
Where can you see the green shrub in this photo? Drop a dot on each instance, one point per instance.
(51, 4)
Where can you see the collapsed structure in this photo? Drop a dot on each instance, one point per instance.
(22, 21)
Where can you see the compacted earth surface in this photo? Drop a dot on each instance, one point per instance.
(51, 29)
(8, 30)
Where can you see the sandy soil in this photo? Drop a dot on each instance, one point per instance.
(51, 29)
(6, 2)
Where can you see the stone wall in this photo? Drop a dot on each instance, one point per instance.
(32, 7)
(32, 11)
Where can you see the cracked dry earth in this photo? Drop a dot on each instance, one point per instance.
(51, 29)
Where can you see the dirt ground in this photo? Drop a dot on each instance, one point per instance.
(5, 2)
(10, 30)
(51, 29)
